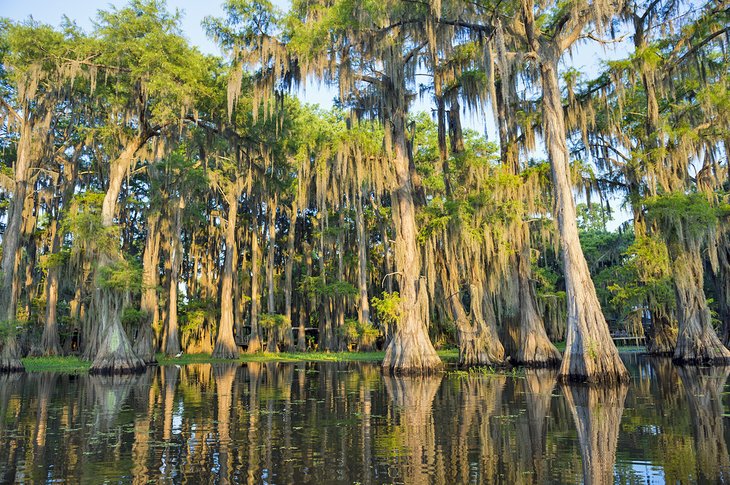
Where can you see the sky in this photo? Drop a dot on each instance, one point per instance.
(587, 58)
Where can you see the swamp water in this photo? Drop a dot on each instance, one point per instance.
(346, 423)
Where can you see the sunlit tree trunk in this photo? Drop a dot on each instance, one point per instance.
(289, 276)
(144, 343)
(272, 344)
(533, 348)
(172, 344)
(254, 342)
(410, 350)
(113, 351)
(362, 263)
(590, 354)
(225, 344)
(697, 341)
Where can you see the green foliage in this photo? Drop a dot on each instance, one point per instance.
(684, 219)
(134, 318)
(387, 308)
(355, 332)
(121, 275)
(273, 320)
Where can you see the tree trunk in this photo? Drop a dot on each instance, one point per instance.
(114, 353)
(288, 276)
(254, 341)
(326, 338)
(272, 344)
(50, 341)
(661, 338)
(13, 229)
(483, 346)
(225, 344)
(590, 354)
(304, 316)
(112, 350)
(172, 344)
(697, 342)
(410, 350)
(144, 343)
(341, 300)
(534, 348)
(362, 267)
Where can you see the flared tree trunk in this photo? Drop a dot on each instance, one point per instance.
(697, 342)
(472, 332)
(483, 346)
(534, 348)
(410, 351)
(144, 343)
(172, 342)
(597, 413)
(114, 354)
(225, 343)
(254, 341)
(590, 354)
(661, 337)
(112, 350)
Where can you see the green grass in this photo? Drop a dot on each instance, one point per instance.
(448, 354)
(64, 365)
(75, 365)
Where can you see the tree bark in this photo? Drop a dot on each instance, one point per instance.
(590, 354)
(272, 344)
(288, 276)
(225, 344)
(172, 344)
(362, 267)
(144, 343)
(114, 352)
(50, 341)
(534, 348)
(254, 341)
(410, 351)
(697, 342)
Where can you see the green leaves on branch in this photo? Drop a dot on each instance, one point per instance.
(121, 275)
(387, 308)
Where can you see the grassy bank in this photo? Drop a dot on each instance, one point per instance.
(74, 365)
(64, 365)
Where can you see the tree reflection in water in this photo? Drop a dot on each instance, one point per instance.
(597, 413)
(346, 422)
(704, 386)
(412, 399)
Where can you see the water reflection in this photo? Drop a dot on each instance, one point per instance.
(597, 412)
(345, 423)
(704, 387)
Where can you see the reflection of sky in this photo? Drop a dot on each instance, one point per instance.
(587, 58)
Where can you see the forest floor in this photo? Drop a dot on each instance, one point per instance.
(75, 365)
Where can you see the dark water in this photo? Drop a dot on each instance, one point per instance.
(345, 423)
